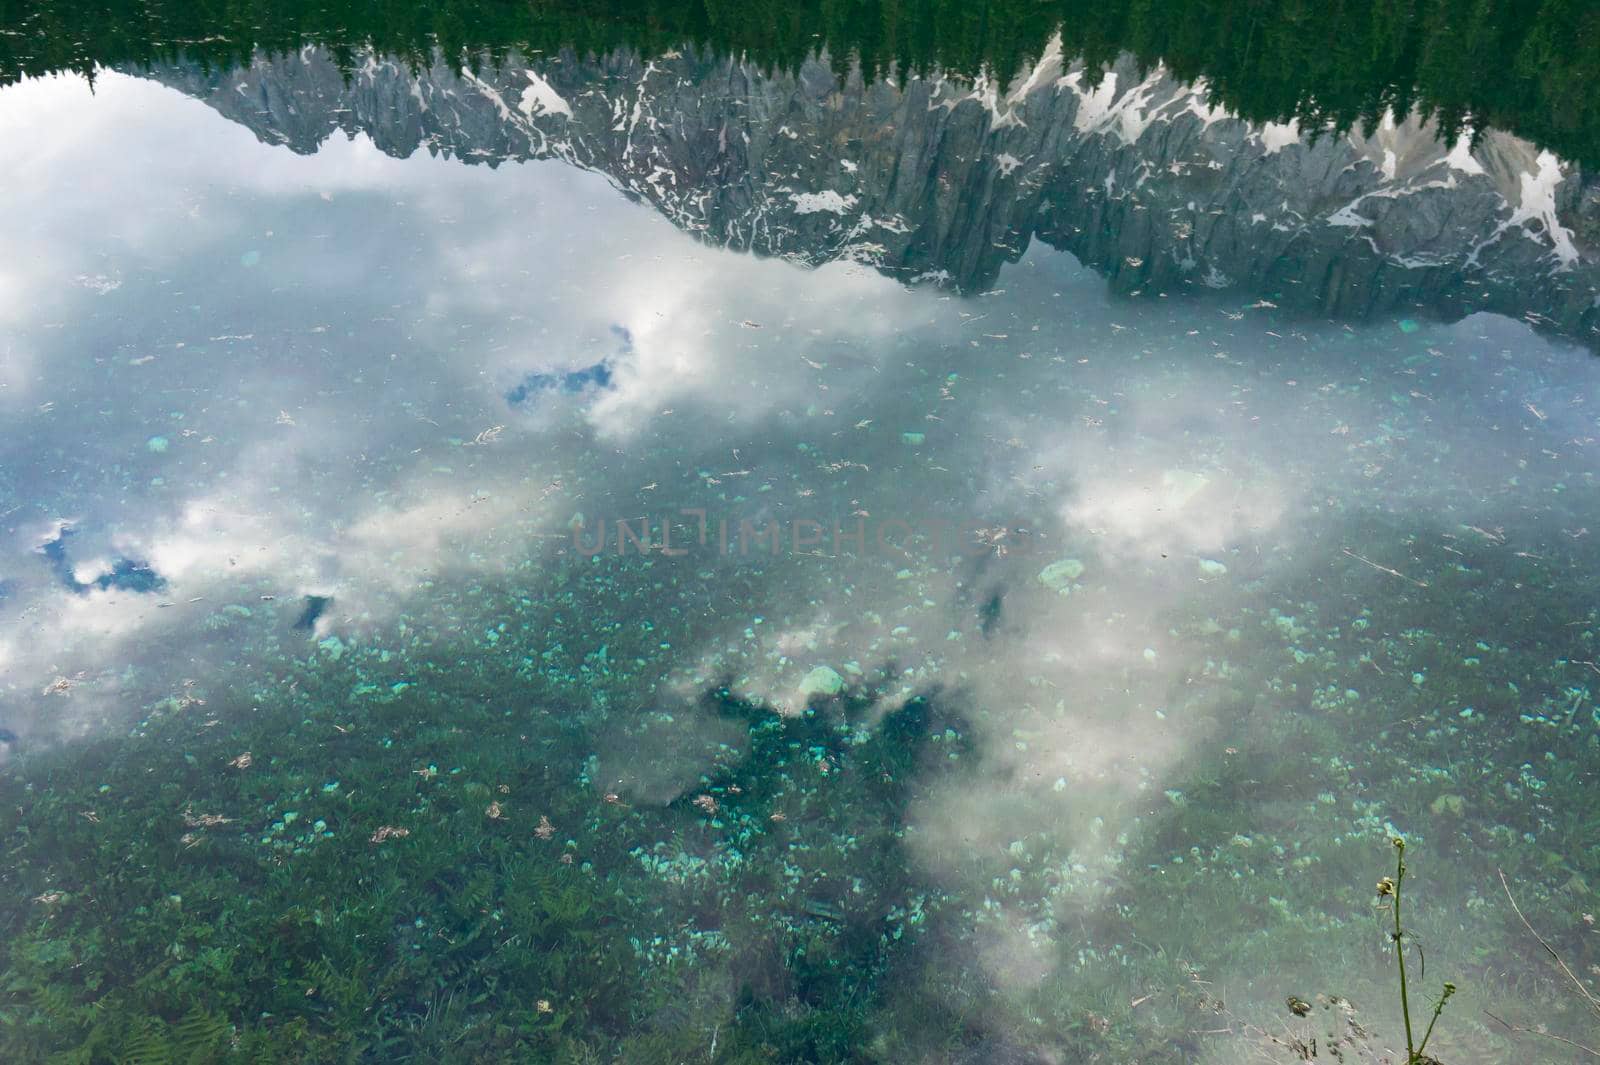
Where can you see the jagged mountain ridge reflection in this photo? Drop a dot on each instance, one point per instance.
(1136, 173)
(1523, 66)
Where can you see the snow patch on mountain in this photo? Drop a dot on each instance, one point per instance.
(827, 201)
(540, 98)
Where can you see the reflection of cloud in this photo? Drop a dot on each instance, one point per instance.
(16, 357)
(659, 756)
(441, 527)
(1015, 954)
(730, 335)
(1150, 511)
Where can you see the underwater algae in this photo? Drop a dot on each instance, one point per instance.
(328, 737)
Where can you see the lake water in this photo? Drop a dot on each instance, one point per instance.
(471, 590)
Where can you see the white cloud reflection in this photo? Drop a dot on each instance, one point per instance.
(298, 386)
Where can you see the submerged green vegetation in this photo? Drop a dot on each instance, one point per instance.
(344, 865)
(1526, 66)
(408, 847)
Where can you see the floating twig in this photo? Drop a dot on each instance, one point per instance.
(1519, 1029)
(1384, 569)
(1593, 1002)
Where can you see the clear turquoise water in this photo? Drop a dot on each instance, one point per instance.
(1165, 615)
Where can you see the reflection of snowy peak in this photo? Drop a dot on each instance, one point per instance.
(1138, 176)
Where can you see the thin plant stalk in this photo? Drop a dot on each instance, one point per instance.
(1390, 888)
(1400, 948)
(1438, 1008)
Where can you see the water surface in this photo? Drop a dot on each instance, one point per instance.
(465, 612)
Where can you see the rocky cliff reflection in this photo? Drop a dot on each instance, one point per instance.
(1137, 175)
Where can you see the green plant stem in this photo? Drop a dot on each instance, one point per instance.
(1437, 1009)
(1400, 950)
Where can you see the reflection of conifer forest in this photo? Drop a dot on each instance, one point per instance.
(1521, 65)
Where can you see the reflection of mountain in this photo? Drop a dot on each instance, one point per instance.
(1137, 177)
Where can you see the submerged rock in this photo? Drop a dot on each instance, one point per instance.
(822, 680)
(1059, 575)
